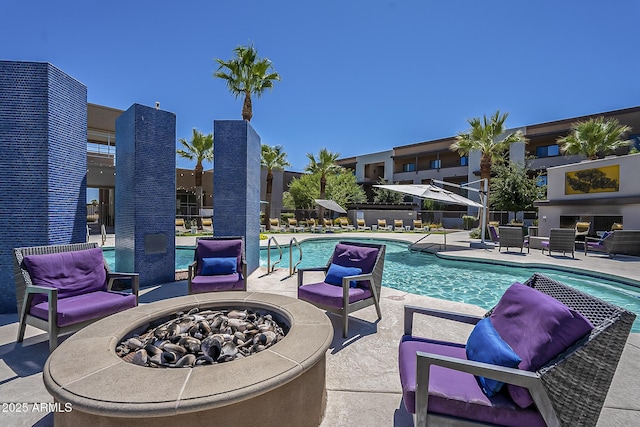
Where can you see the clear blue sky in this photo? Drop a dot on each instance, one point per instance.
(358, 76)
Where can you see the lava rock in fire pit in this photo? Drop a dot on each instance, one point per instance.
(202, 338)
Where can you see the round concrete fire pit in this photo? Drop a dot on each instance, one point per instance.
(282, 385)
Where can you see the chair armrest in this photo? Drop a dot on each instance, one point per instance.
(529, 380)
(409, 311)
(134, 277)
(52, 298)
(302, 270)
(192, 269)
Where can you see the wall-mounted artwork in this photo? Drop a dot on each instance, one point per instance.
(597, 180)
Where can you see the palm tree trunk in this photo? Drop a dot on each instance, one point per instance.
(198, 178)
(267, 211)
(247, 110)
(323, 185)
(485, 173)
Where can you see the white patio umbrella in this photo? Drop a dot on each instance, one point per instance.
(427, 191)
(331, 205)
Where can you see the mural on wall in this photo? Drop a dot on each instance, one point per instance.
(597, 180)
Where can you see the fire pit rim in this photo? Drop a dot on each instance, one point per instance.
(81, 381)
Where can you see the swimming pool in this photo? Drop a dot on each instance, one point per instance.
(477, 283)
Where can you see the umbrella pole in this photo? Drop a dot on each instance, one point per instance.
(483, 200)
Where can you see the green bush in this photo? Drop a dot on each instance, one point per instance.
(475, 233)
(468, 221)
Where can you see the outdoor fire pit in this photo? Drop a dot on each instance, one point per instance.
(283, 384)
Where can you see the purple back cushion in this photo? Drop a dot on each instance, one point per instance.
(355, 256)
(537, 327)
(208, 248)
(73, 273)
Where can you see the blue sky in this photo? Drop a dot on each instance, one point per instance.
(358, 76)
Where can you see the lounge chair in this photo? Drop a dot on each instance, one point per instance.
(207, 225)
(180, 226)
(313, 226)
(63, 288)
(382, 225)
(510, 237)
(398, 225)
(493, 233)
(362, 225)
(616, 226)
(293, 225)
(219, 265)
(274, 225)
(353, 280)
(419, 226)
(560, 240)
(618, 242)
(344, 224)
(566, 369)
(582, 231)
(329, 226)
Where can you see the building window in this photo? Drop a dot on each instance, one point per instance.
(434, 164)
(464, 161)
(548, 151)
(409, 167)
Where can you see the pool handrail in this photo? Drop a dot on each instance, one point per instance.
(293, 268)
(271, 268)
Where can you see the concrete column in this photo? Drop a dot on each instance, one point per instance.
(146, 194)
(236, 185)
(43, 151)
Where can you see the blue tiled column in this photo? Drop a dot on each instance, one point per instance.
(146, 194)
(43, 152)
(236, 185)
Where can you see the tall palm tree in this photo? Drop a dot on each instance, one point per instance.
(247, 74)
(593, 137)
(490, 138)
(324, 165)
(200, 149)
(273, 158)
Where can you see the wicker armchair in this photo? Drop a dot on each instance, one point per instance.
(622, 242)
(510, 237)
(343, 297)
(568, 390)
(560, 240)
(64, 305)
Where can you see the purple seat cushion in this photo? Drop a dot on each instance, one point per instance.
(223, 248)
(457, 393)
(330, 295)
(355, 256)
(538, 328)
(73, 273)
(92, 305)
(220, 282)
(544, 243)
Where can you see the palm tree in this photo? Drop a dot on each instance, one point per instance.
(273, 158)
(200, 148)
(487, 136)
(490, 138)
(593, 137)
(247, 74)
(324, 165)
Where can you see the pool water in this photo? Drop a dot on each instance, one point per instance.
(475, 283)
(184, 257)
(420, 273)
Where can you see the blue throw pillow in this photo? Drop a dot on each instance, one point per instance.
(485, 345)
(337, 272)
(604, 235)
(222, 265)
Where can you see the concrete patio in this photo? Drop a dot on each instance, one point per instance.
(362, 379)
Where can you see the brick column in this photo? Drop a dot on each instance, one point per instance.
(43, 151)
(146, 194)
(236, 185)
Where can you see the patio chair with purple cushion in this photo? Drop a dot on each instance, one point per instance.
(560, 240)
(219, 265)
(621, 242)
(62, 288)
(353, 280)
(544, 355)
